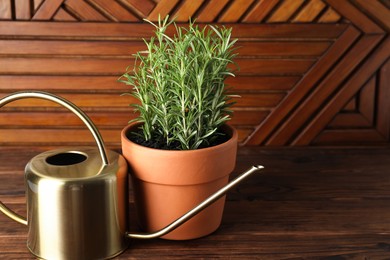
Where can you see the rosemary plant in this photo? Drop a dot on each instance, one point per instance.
(179, 82)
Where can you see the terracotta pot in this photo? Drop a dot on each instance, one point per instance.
(169, 183)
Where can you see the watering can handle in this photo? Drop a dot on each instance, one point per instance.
(70, 106)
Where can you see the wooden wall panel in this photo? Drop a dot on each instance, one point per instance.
(6, 10)
(313, 72)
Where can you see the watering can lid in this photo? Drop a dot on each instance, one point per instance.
(73, 163)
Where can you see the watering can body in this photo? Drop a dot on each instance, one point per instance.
(77, 198)
(77, 211)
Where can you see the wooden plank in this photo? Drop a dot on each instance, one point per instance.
(97, 101)
(110, 66)
(23, 10)
(273, 66)
(367, 100)
(309, 12)
(47, 10)
(377, 10)
(162, 8)
(63, 66)
(211, 11)
(139, 31)
(349, 89)
(285, 11)
(248, 117)
(110, 83)
(349, 120)
(78, 83)
(75, 30)
(281, 48)
(264, 130)
(254, 83)
(84, 48)
(143, 8)
(63, 15)
(128, 48)
(115, 10)
(295, 31)
(258, 100)
(357, 17)
(84, 11)
(62, 137)
(104, 101)
(37, 4)
(102, 119)
(351, 106)
(386, 3)
(349, 137)
(243, 133)
(186, 10)
(259, 11)
(330, 16)
(5, 10)
(235, 11)
(63, 119)
(383, 106)
(67, 137)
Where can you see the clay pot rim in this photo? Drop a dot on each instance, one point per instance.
(233, 139)
(208, 163)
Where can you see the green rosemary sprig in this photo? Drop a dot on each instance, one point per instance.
(179, 81)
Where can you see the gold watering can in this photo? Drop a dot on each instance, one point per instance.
(77, 198)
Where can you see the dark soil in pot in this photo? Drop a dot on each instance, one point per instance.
(157, 143)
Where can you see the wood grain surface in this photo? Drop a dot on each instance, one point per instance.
(312, 72)
(308, 203)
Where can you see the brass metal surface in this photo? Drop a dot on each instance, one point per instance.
(12, 215)
(78, 211)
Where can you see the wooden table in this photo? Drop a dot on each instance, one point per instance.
(308, 202)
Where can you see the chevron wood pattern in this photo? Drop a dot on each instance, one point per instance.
(246, 11)
(312, 72)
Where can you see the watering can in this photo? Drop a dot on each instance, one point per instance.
(77, 198)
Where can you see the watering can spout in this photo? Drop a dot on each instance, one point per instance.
(181, 220)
